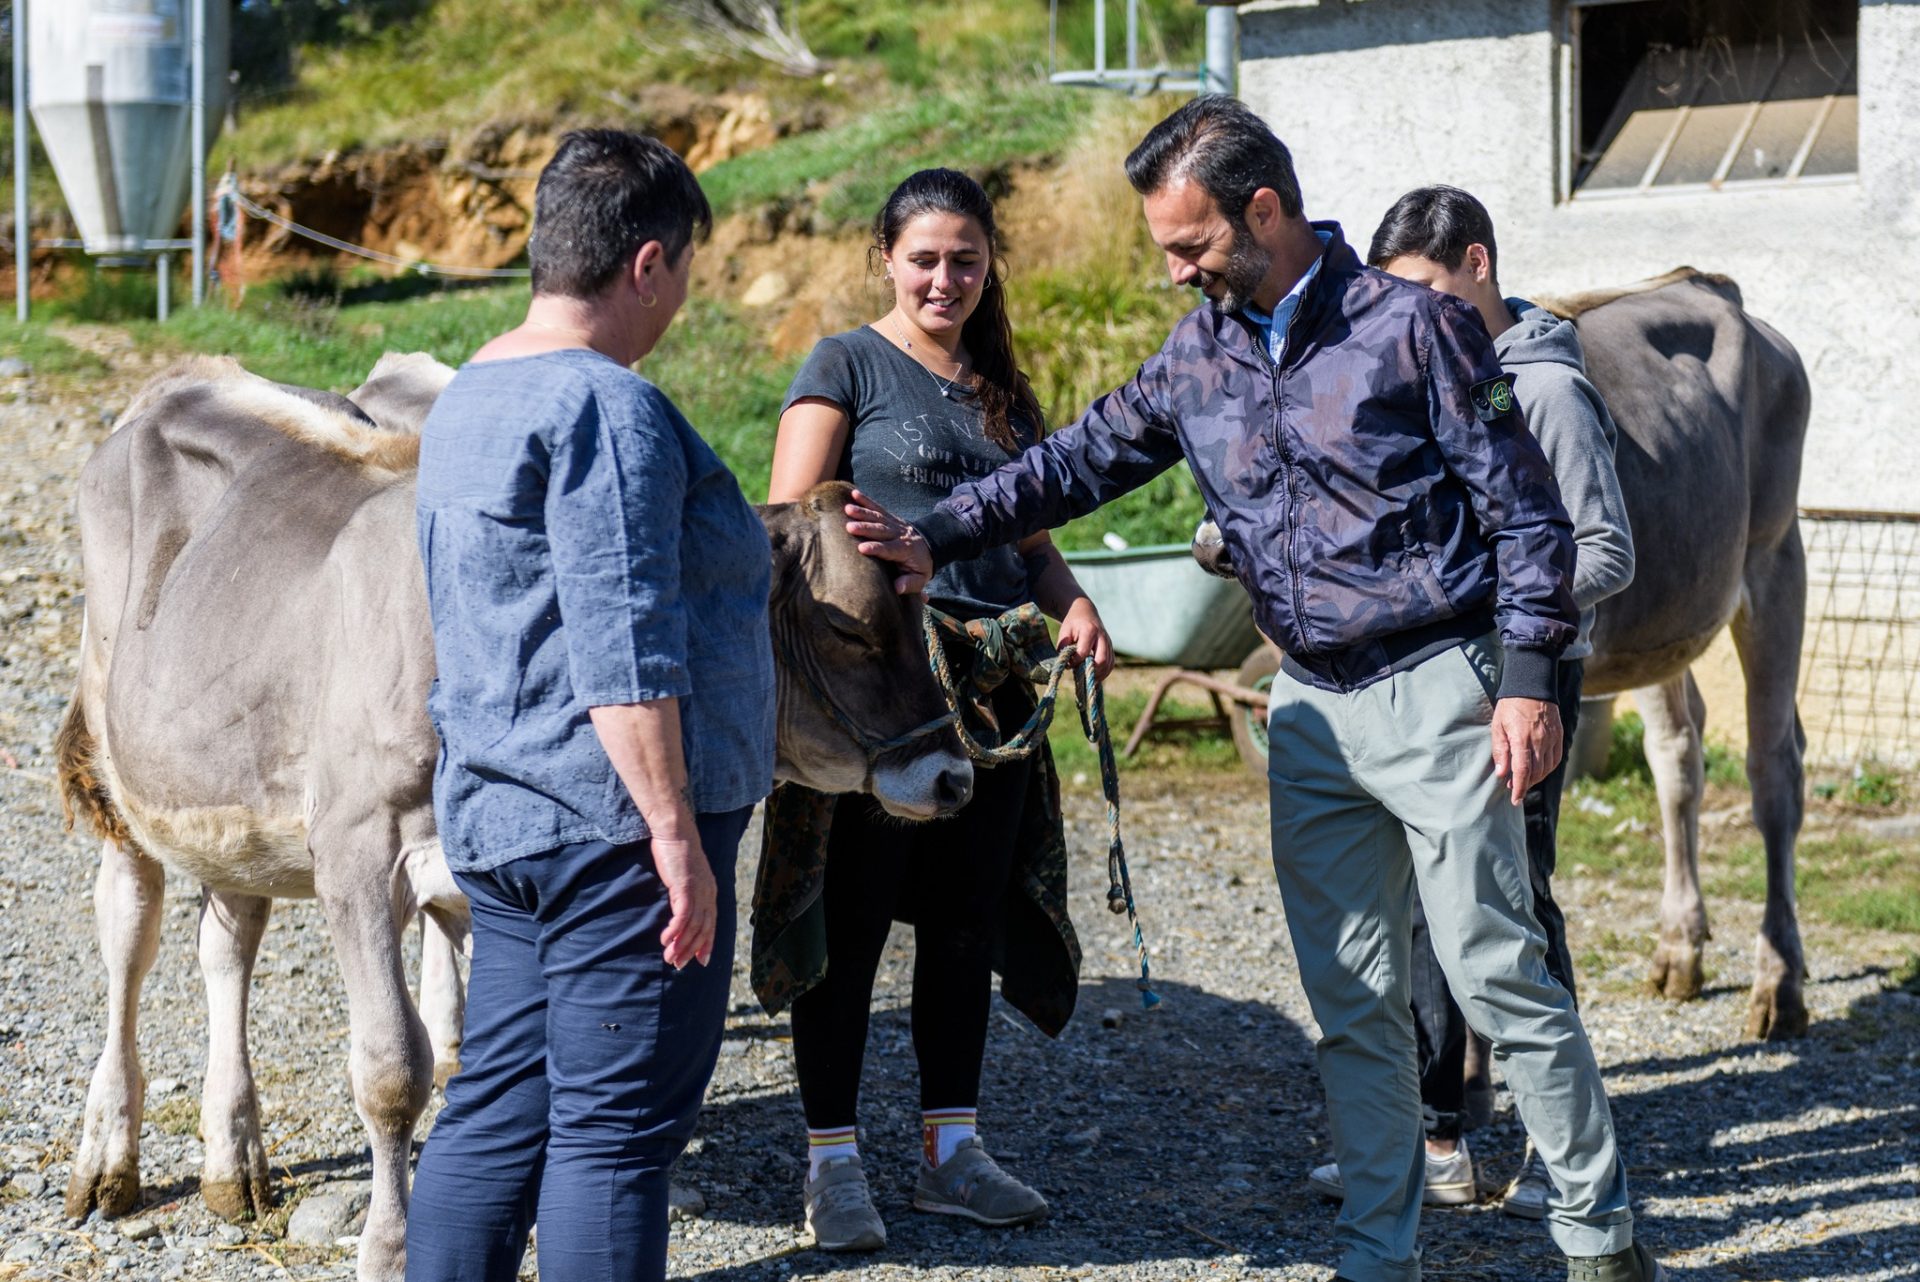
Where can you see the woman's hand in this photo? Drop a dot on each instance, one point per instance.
(1080, 627)
(693, 896)
(886, 537)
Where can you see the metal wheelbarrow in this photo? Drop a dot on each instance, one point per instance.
(1159, 606)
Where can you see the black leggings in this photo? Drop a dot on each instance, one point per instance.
(949, 878)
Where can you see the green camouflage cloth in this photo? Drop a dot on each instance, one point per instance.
(1036, 953)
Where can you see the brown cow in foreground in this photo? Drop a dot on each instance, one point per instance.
(252, 713)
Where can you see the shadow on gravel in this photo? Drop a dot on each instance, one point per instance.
(1153, 1140)
(1797, 1167)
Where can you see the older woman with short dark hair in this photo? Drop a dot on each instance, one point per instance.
(590, 564)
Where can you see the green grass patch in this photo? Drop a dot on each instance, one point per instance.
(1201, 750)
(46, 353)
(1627, 755)
(426, 70)
(846, 172)
(1906, 976)
(1845, 878)
(1611, 828)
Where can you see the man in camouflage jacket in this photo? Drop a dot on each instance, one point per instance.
(1403, 541)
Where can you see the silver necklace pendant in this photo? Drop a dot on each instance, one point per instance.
(947, 391)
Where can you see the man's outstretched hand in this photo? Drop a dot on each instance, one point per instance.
(886, 537)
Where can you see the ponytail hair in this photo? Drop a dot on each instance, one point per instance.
(1004, 392)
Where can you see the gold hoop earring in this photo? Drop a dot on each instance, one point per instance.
(645, 301)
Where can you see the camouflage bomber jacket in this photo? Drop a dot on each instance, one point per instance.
(1376, 490)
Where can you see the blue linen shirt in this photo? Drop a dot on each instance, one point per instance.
(583, 547)
(1273, 329)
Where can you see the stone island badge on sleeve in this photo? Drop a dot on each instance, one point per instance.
(1493, 398)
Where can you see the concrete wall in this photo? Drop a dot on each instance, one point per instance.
(1379, 96)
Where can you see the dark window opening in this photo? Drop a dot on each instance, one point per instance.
(1702, 93)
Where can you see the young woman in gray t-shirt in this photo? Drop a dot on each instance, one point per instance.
(908, 408)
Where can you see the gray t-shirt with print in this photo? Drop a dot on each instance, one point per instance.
(910, 447)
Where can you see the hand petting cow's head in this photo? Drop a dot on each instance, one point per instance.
(860, 711)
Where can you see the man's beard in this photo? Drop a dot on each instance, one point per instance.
(1247, 266)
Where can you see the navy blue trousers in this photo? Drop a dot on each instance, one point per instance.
(583, 1061)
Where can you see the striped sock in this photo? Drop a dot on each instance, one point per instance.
(943, 1130)
(824, 1146)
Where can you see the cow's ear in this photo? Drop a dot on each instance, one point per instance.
(787, 528)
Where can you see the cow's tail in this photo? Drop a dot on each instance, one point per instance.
(83, 791)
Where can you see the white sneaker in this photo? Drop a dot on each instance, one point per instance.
(1527, 1196)
(1449, 1179)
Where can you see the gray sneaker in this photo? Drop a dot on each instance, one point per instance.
(972, 1185)
(1527, 1196)
(1635, 1264)
(840, 1209)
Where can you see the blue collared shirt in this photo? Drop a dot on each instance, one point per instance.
(1273, 329)
(583, 547)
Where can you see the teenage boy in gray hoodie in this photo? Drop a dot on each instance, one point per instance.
(1443, 238)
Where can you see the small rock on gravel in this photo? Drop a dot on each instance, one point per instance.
(684, 1203)
(330, 1211)
(138, 1230)
(27, 1248)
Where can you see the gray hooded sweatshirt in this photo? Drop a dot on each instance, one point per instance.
(1568, 418)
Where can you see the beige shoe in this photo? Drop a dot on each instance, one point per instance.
(1449, 1180)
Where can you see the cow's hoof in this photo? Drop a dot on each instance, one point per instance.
(1776, 1012)
(112, 1193)
(242, 1198)
(1678, 973)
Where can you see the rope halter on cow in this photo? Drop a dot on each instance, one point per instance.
(1016, 644)
(871, 747)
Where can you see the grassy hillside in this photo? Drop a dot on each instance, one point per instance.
(410, 69)
(907, 85)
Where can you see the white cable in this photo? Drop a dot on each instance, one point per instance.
(378, 256)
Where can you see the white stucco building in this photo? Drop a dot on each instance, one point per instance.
(1774, 141)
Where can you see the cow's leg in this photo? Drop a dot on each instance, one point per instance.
(443, 993)
(127, 893)
(391, 1060)
(234, 1179)
(1768, 634)
(1675, 717)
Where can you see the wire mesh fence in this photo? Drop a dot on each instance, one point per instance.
(1860, 669)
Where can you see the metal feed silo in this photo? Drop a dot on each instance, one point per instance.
(111, 93)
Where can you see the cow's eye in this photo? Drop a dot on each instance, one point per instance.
(849, 631)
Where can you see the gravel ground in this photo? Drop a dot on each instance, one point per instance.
(1171, 1145)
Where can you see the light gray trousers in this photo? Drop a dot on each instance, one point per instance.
(1372, 790)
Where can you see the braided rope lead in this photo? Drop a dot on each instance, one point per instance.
(1090, 693)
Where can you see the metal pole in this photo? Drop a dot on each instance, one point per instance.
(164, 265)
(1099, 37)
(199, 208)
(1223, 44)
(1133, 35)
(22, 228)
